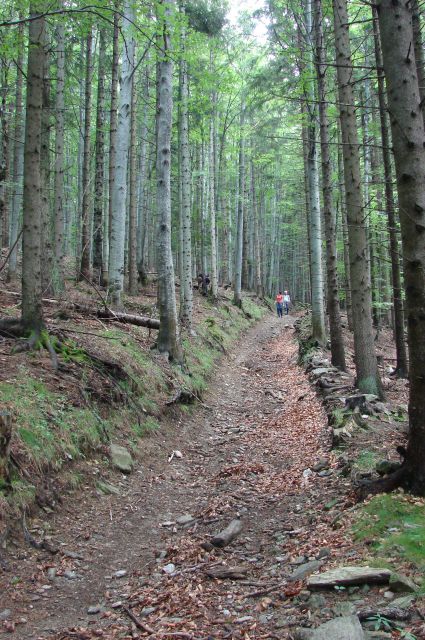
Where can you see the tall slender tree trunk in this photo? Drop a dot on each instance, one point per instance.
(143, 229)
(213, 226)
(345, 240)
(32, 310)
(119, 187)
(186, 292)
(401, 367)
(99, 158)
(419, 50)
(85, 180)
(317, 284)
(18, 160)
(367, 376)
(5, 157)
(132, 240)
(59, 206)
(168, 334)
(408, 134)
(337, 343)
(113, 119)
(47, 274)
(240, 214)
(258, 282)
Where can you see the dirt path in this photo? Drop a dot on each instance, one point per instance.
(244, 452)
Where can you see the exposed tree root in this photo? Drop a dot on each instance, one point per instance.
(383, 485)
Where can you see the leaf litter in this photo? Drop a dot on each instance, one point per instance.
(248, 454)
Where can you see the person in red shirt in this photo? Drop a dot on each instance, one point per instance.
(279, 304)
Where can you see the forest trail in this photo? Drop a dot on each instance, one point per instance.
(243, 454)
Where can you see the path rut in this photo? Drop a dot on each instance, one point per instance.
(244, 450)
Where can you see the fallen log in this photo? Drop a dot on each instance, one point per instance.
(227, 573)
(228, 534)
(128, 318)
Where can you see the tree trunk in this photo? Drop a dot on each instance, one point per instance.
(257, 252)
(344, 225)
(113, 119)
(32, 311)
(407, 125)
(213, 229)
(240, 215)
(142, 228)
(367, 374)
(119, 190)
(186, 292)
(132, 240)
(59, 210)
(5, 158)
(99, 158)
(85, 180)
(317, 285)
(46, 222)
(18, 160)
(168, 335)
(401, 367)
(419, 51)
(337, 343)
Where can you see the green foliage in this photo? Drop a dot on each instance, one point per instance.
(206, 16)
(396, 526)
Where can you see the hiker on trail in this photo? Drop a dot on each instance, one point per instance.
(204, 283)
(279, 304)
(286, 302)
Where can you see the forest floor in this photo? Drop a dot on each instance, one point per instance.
(131, 564)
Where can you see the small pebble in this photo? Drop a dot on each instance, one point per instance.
(70, 575)
(120, 574)
(169, 568)
(93, 610)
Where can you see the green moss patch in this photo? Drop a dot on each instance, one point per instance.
(394, 526)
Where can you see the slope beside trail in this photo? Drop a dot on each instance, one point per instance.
(244, 450)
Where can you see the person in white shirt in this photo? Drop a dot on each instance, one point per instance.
(286, 302)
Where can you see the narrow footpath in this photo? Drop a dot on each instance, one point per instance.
(132, 565)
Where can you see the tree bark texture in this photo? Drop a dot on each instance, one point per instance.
(132, 233)
(335, 331)
(168, 335)
(401, 366)
(32, 312)
(395, 21)
(99, 158)
(186, 291)
(18, 159)
(59, 207)
(113, 118)
(367, 376)
(240, 214)
(85, 178)
(119, 188)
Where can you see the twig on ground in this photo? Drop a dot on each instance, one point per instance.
(139, 624)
